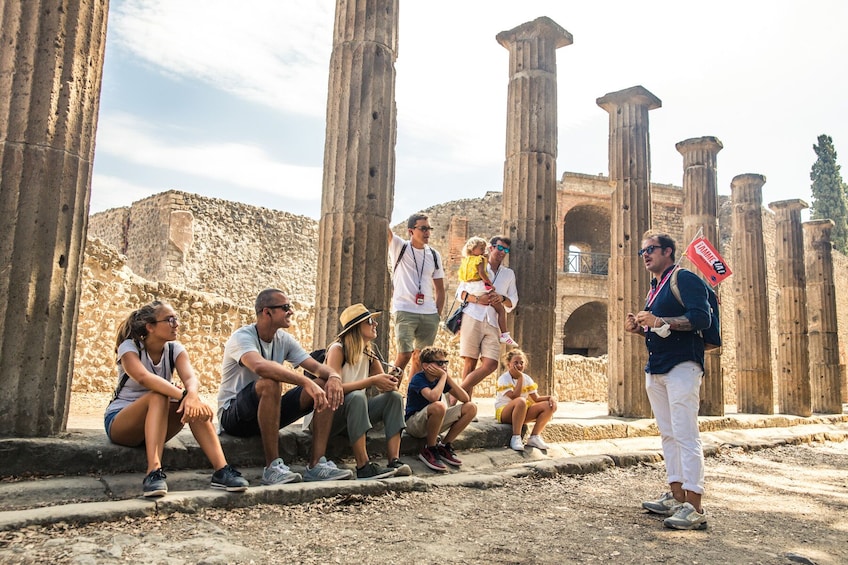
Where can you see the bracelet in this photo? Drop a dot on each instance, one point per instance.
(334, 376)
(185, 392)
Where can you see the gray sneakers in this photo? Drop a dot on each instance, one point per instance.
(326, 471)
(154, 483)
(666, 505)
(687, 518)
(277, 473)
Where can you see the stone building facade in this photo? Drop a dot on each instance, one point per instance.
(203, 249)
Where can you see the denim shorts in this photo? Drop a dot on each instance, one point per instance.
(107, 421)
(240, 417)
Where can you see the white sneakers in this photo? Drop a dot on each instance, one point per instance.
(516, 443)
(507, 339)
(537, 442)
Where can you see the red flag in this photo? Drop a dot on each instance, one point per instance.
(704, 256)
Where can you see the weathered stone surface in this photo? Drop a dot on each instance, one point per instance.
(359, 165)
(700, 214)
(753, 357)
(530, 195)
(825, 374)
(630, 217)
(793, 361)
(50, 76)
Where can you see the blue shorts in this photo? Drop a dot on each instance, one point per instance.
(240, 417)
(107, 422)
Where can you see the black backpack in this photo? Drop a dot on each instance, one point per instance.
(712, 334)
(403, 250)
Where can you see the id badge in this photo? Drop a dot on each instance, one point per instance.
(419, 299)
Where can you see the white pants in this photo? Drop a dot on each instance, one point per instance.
(675, 400)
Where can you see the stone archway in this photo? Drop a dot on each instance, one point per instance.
(586, 240)
(585, 330)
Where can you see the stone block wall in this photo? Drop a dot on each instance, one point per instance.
(214, 246)
(110, 291)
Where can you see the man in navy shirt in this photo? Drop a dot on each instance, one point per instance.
(673, 378)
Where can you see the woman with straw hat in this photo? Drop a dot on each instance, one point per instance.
(353, 357)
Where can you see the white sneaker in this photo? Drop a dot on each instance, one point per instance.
(277, 473)
(507, 339)
(665, 505)
(326, 470)
(537, 442)
(687, 518)
(516, 443)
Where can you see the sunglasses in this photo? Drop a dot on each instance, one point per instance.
(650, 249)
(371, 322)
(500, 247)
(284, 307)
(423, 228)
(442, 363)
(172, 321)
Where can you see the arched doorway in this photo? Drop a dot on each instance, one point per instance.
(585, 331)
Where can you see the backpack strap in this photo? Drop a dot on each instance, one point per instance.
(125, 376)
(403, 250)
(675, 290)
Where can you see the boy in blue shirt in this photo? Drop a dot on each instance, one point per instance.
(427, 414)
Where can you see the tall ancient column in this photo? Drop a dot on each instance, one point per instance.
(825, 377)
(793, 355)
(359, 166)
(50, 75)
(700, 212)
(529, 189)
(754, 387)
(629, 281)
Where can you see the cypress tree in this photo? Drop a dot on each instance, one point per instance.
(829, 192)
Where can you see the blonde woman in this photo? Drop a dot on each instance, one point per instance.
(351, 355)
(517, 402)
(147, 409)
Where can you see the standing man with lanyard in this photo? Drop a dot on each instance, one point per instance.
(673, 378)
(480, 336)
(419, 291)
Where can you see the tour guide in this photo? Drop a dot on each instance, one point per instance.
(673, 378)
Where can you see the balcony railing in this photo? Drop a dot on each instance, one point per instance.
(580, 263)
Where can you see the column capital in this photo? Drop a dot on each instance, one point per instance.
(747, 179)
(791, 204)
(638, 95)
(706, 143)
(819, 228)
(540, 27)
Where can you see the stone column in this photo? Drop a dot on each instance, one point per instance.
(50, 76)
(700, 212)
(529, 193)
(359, 166)
(825, 376)
(630, 174)
(754, 386)
(793, 356)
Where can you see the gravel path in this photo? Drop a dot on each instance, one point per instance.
(776, 506)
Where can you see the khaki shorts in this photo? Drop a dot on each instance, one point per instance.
(479, 339)
(415, 331)
(416, 425)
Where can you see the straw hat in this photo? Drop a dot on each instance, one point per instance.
(353, 315)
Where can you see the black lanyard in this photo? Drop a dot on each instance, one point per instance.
(415, 261)
(259, 343)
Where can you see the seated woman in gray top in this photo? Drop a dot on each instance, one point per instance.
(147, 409)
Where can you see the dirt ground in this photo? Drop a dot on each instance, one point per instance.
(776, 506)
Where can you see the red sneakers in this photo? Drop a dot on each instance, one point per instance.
(447, 454)
(430, 458)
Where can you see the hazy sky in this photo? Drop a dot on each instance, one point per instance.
(227, 98)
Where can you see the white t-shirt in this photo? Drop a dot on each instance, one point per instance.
(507, 384)
(504, 282)
(353, 372)
(132, 389)
(414, 273)
(235, 376)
